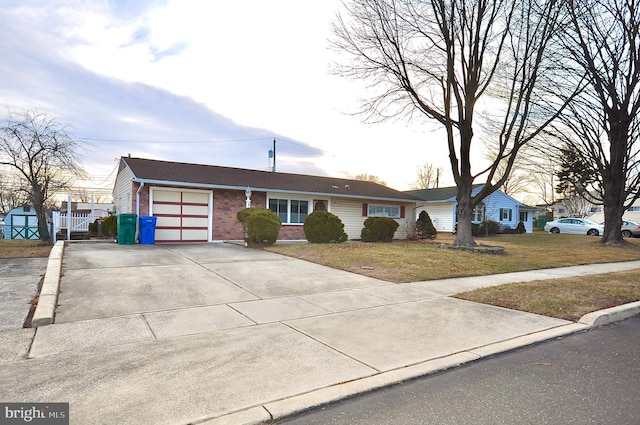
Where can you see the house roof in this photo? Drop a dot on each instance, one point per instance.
(213, 176)
(441, 193)
(448, 194)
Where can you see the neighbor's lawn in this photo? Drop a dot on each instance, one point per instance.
(17, 248)
(417, 261)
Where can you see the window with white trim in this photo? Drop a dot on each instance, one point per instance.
(505, 214)
(290, 211)
(391, 211)
(477, 215)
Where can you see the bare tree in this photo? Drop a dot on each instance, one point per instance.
(11, 195)
(517, 178)
(428, 177)
(370, 178)
(447, 60)
(43, 155)
(603, 123)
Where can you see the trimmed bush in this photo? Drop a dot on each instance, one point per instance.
(520, 229)
(110, 226)
(324, 227)
(379, 229)
(262, 225)
(424, 227)
(488, 228)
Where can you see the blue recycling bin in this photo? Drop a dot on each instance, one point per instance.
(148, 230)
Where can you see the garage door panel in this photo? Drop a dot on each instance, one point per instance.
(168, 222)
(195, 210)
(166, 196)
(194, 235)
(167, 234)
(195, 197)
(195, 222)
(166, 209)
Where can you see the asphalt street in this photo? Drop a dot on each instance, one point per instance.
(586, 378)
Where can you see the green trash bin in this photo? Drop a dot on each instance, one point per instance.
(127, 229)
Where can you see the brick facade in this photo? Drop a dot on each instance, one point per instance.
(226, 204)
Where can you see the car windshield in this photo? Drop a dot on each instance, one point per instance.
(587, 221)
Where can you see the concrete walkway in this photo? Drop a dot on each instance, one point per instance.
(220, 334)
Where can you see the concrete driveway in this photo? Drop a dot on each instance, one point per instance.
(177, 334)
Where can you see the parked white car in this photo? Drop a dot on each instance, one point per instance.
(575, 226)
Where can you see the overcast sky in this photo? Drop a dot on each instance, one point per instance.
(201, 81)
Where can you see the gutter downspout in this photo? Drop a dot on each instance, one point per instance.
(138, 210)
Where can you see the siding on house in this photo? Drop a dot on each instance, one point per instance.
(123, 192)
(441, 215)
(441, 206)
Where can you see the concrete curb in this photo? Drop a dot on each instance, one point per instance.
(291, 406)
(610, 315)
(47, 301)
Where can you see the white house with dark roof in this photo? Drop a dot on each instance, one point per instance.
(199, 203)
(441, 206)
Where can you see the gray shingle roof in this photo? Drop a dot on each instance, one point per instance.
(200, 175)
(440, 194)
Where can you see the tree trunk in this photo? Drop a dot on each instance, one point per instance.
(41, 214)
(614, 179)
(464, 235)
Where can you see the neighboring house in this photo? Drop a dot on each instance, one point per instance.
(199, 203)
(631, 214)
(441, 205)
(99, 209)
(21, 223)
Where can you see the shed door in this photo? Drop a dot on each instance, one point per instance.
(182, 216)
(24, 226)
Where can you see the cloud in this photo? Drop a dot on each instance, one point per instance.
(119, 117)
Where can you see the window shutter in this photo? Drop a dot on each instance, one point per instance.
(510, 219)
(401, 211)
(365, 210)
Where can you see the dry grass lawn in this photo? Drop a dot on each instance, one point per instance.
(17, 248)
(406, 261)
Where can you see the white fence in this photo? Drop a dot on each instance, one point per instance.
(74, 222)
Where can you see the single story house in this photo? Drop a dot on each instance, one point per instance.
(199, 203)
(21, 223)
(441, 206)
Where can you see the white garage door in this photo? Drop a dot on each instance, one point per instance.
(182, 216)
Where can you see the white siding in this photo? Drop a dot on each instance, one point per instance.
(350, 213)
(498, 201)
(122, 192)
(441, 215)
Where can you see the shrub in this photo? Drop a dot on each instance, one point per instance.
(262, 225)
(110, 226)
(520, 229)
(424, 227)
(324, 227)
(487, 228)
(378, 229)
(243, 214)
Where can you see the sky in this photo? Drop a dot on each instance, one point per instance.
(209, 82)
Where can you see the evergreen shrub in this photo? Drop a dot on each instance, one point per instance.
(262, 225)
(324, 227)
(379, 229)
(424, 227)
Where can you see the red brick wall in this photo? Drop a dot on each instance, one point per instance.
(291, 232)
(226, 204)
